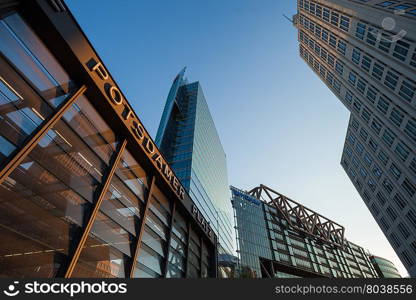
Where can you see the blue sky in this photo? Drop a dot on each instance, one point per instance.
(279, 124)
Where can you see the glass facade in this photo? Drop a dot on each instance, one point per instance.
(188, 138)
(269, 247)
(77, 197)
(384, 267)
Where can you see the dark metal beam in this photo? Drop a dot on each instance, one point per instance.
(94, 213)
(38, 135)
(169, 237)
(141, 227)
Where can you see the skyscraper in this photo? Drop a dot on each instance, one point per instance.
(365, 52)
(280, 238)
(189, 140)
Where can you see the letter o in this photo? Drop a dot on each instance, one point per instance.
(115, 95)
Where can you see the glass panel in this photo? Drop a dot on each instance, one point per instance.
(151, 259)
(21, 111)
(133, 175)
(44, 201)
(106, 250)
(28, 54)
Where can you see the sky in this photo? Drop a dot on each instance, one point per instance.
(278, 122)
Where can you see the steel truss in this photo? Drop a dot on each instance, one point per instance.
(300, 217)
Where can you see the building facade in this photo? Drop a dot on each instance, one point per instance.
(384, 267)
(189, 140)
(84, 191)
(365, 52)
(283, 239)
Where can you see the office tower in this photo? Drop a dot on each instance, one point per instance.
(84, 191)
(280, 238)
(365, 52)
(189, 140)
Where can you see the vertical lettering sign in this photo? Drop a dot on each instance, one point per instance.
(136, 127)
(201, 220)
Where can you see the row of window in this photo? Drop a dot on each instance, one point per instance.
(375, 37)
(328, 15)
(388, 76)
(324, 35)
(388, 138)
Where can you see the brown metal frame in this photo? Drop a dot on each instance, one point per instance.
(15, 161)
(169, 237)
(96, 209)
(141, 227)
(307, 220)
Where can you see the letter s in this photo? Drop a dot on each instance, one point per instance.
(122, 288)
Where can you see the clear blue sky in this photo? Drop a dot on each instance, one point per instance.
(279, 124)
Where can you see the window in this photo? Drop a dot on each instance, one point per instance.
(388, 137)
(378, 71)
(387, 185)
(391, 213)
(352, 78)
(399, 201)
(402, 150)
(363, 172)
(360, 149)
(404, 231)
(383, 104)
(376, 125)
(383, 157)
(333, 41)
(400, 50)
(345, 23)
(407, 259)
(395, 240)
(366, 63)
(339, 67)
(381, 199)
(394, 170)
(334, 18)
(342, 47)
(397, 116)
(360, 31)
(356, 56)
(411, 216)
(413, 166)
(367, 159)
(409, 187)
(371, 36)
(410, 129)
(366, 115)
(372, 94)
(361, 85)
(407, 90)
(385, 43)
(377, 172)
(363, 134)
(373, 145)
(371, 184)
(348, 96)
(391, 80)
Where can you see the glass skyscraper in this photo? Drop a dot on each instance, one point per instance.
(365, 52)
(189, 140)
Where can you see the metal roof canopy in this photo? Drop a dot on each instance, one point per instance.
(308, 221)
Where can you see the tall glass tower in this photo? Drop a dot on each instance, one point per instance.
(189, 140)
(365, 52)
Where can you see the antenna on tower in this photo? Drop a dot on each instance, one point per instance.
(287, 18)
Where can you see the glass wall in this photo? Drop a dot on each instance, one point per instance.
(49, 198)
